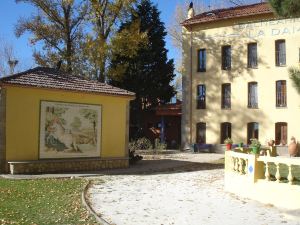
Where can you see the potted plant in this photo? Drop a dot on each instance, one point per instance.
(240, 144)
(255, 145)
(228, 142)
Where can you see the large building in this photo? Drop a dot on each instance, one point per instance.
(236, 82)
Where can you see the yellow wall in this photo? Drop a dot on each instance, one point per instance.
(212, 36)
(22, 120)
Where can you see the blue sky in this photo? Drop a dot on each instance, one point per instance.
(12, 12)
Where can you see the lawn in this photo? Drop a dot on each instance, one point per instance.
(43, 201)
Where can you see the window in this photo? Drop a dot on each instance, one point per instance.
(225, 131)
(226, 96)
(252, 131)
(280, 53)
(281, 133)
(281, 93)
(202, 60)
(201, 133)
(252, 95)
(252, 55)
(226, 57)
(201, 103)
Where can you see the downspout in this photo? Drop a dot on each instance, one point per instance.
(191, 86)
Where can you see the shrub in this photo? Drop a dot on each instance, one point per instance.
(159, 145)
(140, 144)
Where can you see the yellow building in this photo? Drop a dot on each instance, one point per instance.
(235, 80)
(53, 122)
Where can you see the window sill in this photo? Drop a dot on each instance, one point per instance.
(281, 107)
(280, 65)
(226, 108)
(201, 71)
(249, 107)
(252, 68)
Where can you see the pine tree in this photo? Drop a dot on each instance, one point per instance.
(289, 8)
(149, 72)
(286, 8)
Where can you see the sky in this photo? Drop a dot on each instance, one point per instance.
(12, 12)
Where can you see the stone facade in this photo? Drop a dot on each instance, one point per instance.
(74, 165)
(2, 130)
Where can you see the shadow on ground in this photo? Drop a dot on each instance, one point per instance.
(165, 166)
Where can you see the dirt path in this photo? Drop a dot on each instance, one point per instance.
(190, 193)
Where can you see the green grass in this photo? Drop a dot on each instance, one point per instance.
(284, 172)
(43, 201)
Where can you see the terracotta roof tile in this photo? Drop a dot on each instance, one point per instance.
(43, 77)
(228, 13)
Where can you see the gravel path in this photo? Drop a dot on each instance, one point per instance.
(178, 197)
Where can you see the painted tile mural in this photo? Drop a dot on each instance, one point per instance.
(69, 130)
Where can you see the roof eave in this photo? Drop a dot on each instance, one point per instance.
(131, 95)
(192, 23)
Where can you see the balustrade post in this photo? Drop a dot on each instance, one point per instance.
(241, 166)
(267, 173)
(277, 172)
(290, 176)
(236, 164)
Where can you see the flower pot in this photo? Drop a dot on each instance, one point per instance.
(293, 151)
(228, 147)
(255, 150)
(241, 144)
(271, 143)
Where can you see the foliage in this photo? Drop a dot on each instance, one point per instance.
(295, 77)
(133, 158)
(286, 8)
(140, 144)
(228, 141)
(105, 16)
(255, 143)
(58, 26)
(149, 72)
(42, 201)
(80, 33)
(159, 145)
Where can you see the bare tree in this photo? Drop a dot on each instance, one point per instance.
(9, 62)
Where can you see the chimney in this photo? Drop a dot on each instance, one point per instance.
(191, 12)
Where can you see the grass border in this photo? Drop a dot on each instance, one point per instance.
(88, 207)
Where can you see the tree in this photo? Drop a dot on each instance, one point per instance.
(105, 16)
(149, 72)
(57, 25)
(286, 8)
(10, 63)
(289, 8)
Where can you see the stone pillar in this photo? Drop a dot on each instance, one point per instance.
(3, 131)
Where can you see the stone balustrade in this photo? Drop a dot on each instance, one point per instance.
(279, 162)
(263, 178)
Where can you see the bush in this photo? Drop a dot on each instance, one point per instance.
(140, 144)
(159, 145)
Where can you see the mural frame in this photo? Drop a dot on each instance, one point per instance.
(89, 149)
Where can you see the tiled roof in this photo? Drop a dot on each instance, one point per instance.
(43, 77)
(228, 13)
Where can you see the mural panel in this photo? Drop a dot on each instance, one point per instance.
(69, 130)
